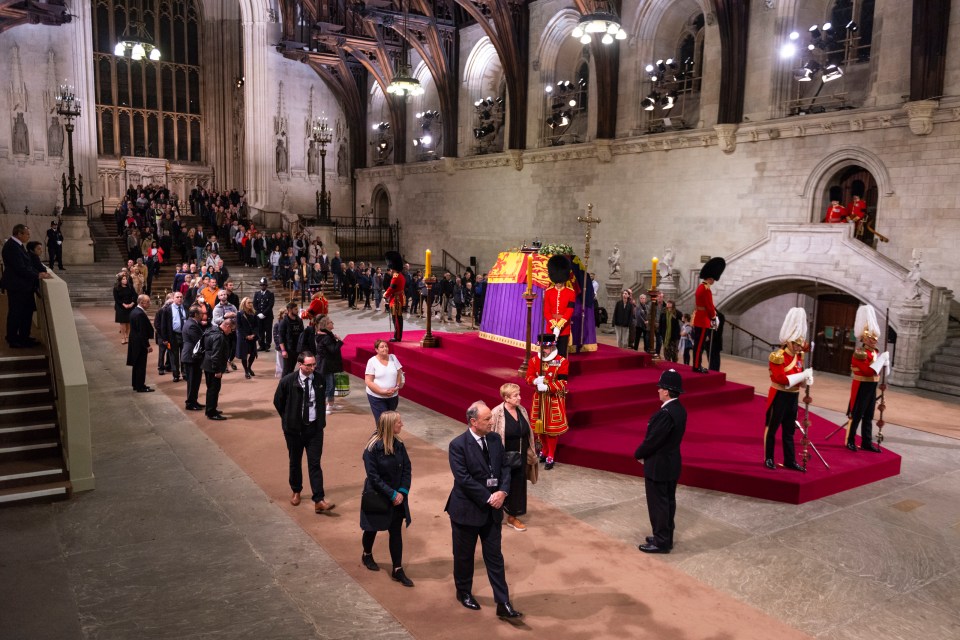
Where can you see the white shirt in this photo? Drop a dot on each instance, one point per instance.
(311, 396)
(384, 376)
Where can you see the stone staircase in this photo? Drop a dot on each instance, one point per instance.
(108, 247)
(31, 458)
(941, 373)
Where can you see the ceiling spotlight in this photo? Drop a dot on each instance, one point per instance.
(852, 26)
(572, 103)
(812, 66)
(794, 35)
(649, 68)
(831, 72)
(815, 32)
(827, 26)
(788, 50)
(586, 39)
(802, 75)
(648, 103)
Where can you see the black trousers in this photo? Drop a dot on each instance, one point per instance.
(563, 343)
(782, 413)
(701, 343)
(55, 252)
(465, 546)
(264, 328)
(309, 439)
(163, 357)
(396, 536)
(213, 392)
(662, 507)
(290, 362)
(20, 310)
(173, 355)
(862, 413)
(351, 296)
(139, 372)
(193, 373)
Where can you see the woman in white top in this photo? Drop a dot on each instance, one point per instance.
(384, 378)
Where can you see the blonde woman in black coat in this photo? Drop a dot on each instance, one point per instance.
(386, 488)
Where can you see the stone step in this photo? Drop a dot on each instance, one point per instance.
(23, 363)
(939, 387)
(944, 378)
(23, 473)
(953, 351)
(28, 433)
(940, 358)
(30, 396)
(22, 379)
(938, 368)
(45, 492)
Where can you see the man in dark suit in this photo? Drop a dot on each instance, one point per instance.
(481, 483)
(660, 456)
(138, 346)
(171, 331)
(20, 280)
(299, 400)
(291, 326)
(263, 302)
(55, 245)
(192, 365)
(351, 281)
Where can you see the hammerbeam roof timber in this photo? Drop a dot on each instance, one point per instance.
(16, 12)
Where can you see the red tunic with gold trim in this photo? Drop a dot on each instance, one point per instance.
(782, 364)
(318, 306)
(858, 210)
(836, 213)
(555, 374)
(394, 294)
(705, 311)
(860, 368)
(558, 309)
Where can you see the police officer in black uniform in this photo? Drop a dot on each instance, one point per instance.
(263, 301)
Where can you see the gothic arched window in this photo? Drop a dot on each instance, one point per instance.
(149, 108)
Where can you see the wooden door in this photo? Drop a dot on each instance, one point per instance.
(833, 325)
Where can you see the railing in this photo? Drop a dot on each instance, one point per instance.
(754, 339)
(449, 261)
(367, 243)
(89, 207)
(70, 389)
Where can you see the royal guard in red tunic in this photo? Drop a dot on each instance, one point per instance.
(319, 306)
(857, 209)
(705, 314)
(787, 376)
(865, 365)
(548, 372)
(836, 212)
(393, 295)
(558, 302)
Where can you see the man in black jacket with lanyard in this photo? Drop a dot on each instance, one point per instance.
(660, 456)
(299, 400)
(481, 483)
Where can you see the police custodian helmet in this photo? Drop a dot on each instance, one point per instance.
(671, 381)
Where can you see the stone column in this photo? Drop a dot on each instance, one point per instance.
(906, 365)
(77, 244)
(613, 288)
(258, 111)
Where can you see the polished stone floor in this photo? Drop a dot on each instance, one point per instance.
(878, 562)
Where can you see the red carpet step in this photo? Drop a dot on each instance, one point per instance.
(612, 395)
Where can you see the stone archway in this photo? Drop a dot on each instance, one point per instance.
(819, 180)
(380, 206)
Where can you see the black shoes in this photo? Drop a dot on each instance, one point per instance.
(770, 464)
(401, 577)
(548, 465)
(793, 466)
(852, 447)
(247, 375)
(870, 446)
(233, 366)
(506, 610)
(144, 390)
(652, 548)
(370, 563)
(466, 599)
(653, 541)
(701, 370)
(195, 407)
(216, 416)
(393, 340)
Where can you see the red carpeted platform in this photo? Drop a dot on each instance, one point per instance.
(612, 395)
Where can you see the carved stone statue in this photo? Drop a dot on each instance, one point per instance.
(55, 138)
(313, 159)
(21, 137)
(614, 261)
(913, 278)
(343, 170)
(667, 263)
(281, 155)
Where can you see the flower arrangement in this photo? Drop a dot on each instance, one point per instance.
(556, 249)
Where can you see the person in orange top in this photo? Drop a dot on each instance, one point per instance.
(705, 315)
(836, 212)
(393, 295)
(787, 376)
(558, 302)
(865, 365)
(548, 371)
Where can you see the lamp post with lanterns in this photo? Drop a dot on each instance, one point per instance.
(323, 135)
(68, 107)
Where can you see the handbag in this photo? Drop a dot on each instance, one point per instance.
(373, 502)
(512, 459)
(341, 384)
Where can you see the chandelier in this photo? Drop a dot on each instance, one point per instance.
(403, 83)
(604, 24)
(135, 39)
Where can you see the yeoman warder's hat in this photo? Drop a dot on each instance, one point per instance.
(546, 340)
(394, 260)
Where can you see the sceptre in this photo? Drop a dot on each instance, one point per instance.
(587, 220)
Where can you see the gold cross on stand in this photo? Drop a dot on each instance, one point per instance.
(589, 221)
